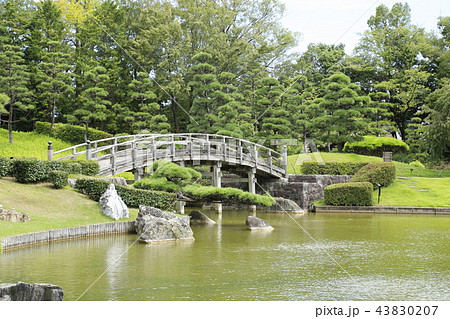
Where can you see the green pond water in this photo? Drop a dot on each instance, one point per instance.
(380, 257)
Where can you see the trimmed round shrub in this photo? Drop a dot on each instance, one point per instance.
(331, 168)
(375, 146)
(58, 178)
(376, 173)
(89, 168)
(157, 183)
(29, 170)
(69, 133)
(6, 165)
(349, 194)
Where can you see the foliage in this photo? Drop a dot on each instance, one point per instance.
(157, 183)
(95, 188)
(69, 133)
(5, 166)
(331, 168)
(58, 178)
(174, 172)
(375, 146)
(382, 174)
(417, 164)
(349, 194)
(29, 170)
(226, 195)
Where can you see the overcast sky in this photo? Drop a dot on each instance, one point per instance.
(340, 21)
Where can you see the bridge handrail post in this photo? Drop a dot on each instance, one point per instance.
(255, 154)
(269, 160)
(285, 160)
(50, 151)
(88, 150)
(224, 148)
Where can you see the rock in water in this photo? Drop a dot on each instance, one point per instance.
(283, 205)
(255, 223)
(197, 217)
(27, 292)
(154, 225)
(112, 205)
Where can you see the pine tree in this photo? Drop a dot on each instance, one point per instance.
(53, 79)
(94, 105)
(14, 74)
(342, 112)
(145, 113)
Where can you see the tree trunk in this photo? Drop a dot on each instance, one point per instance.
(10, 122)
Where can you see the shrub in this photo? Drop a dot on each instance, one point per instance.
(226, 195)
(6, 165)
(155, 183)
(69, 133)
(349, 194)
(417, 164)
(376, 173)
(95, 188)
(29, 170)
(89, 168)
(174, 172)
(375, 146)
(58, 178)
(331, 168)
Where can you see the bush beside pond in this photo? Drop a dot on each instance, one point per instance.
(349, 194)
(376, 173)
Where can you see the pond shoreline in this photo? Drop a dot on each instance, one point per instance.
(382, 210)
(48, 236)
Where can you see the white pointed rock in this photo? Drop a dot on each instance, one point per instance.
(112, 205)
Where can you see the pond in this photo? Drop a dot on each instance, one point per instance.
(305, 257)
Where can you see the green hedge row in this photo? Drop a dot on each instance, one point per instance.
(376, 173)
(159, 184)
(132, 197)
(30, 170)
(5, 166)
(331, 168)
(349, 194)
(375, 146)
(58, 178)
(73, 134)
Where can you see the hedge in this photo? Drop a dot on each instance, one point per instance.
(94, 188)
(376, 173)
(349, 194)
(5, 166)
(30, 170)
(331, 168)
(159, 184)
(58, 178)
(375, 146)
(73, 134)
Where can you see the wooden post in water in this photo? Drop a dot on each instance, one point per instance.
(217, 182)
(252, 184)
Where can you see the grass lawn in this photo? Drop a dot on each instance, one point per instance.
(28, 144)
(416, 191)
(403, 169)
(49, 208)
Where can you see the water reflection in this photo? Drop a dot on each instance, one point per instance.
(388, 258)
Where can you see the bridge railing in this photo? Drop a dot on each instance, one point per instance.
(132, 151)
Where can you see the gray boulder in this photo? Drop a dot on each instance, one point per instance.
(283, 205)
(154, 225)
(255, 223)
(112, 205)
(197, 217)
(27, 292)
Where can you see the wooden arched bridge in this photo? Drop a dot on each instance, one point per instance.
(136, 152)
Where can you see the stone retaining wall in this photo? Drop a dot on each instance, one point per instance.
(67, 233)
(383, 209)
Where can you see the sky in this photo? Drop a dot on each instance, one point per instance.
(340, 21)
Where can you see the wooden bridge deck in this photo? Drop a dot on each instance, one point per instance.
(134, 152)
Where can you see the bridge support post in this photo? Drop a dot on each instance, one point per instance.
(217, 182)
(252, 184)
(138, 174)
